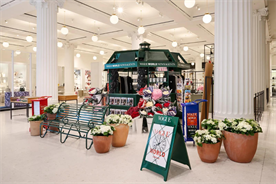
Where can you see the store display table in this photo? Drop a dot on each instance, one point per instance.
(23, 102)
(67, 98)
(8, 96)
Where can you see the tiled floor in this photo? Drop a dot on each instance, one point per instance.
(30, 159)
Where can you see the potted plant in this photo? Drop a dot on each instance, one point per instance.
(102, 137)
(122, 124)
(210, 124)
(208, 144)
(51, 113)
(35, 121)
(241, 138)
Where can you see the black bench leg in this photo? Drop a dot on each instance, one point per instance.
(62, 132)
(46, 130)
(87, 141)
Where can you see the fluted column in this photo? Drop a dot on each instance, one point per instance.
(69, 69)
(136, 40)
(46, 56)
(233, 93)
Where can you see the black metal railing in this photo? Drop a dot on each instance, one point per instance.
(259, 105)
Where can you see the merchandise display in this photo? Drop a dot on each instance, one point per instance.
(138, 91)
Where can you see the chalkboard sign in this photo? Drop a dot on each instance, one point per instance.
(165, 143)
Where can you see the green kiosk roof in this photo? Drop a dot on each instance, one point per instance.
(146, 57)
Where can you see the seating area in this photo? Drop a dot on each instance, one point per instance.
(72, 118)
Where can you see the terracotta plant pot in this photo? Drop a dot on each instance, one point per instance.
(240, 148)
(35, 128)
(102, 143)
(52, 117)
(120, 135)
(209, 152)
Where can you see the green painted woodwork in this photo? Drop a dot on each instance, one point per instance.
(177, 148)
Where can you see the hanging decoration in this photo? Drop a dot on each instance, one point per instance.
(64, 30)
(207, 18)
(189, 3)
(6, 44)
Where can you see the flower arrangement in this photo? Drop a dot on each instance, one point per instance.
(207, 136)
(240, 126)
(37, 118)
(210, 124)
(102, 130)
(119, 119)
(154, 101)
(51, 109)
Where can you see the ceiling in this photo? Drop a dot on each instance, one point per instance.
(165, 21)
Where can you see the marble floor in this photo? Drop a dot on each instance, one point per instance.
(30, 159)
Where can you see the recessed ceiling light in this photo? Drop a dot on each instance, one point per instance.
(95, 57)
(59, 44)
(17, 35)
(18, 52)
(102, 52)
(174, 44)
(34, 49)
(120, 10)
(78, 55)
(6, 21)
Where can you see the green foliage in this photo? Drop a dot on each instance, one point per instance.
(37, 118)
(102, 130)
(210, 124)
(240, 126)
(52, 109)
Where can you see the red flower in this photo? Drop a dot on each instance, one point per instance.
(141, 103)
(150, 114)
(159, 112)
(167, 104)
(135, 114)
(158, 105)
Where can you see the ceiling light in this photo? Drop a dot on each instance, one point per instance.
(59, 44)
(208, 57)
(124, 49)
(29, 38)
(95, 57)
(17, 35)
(114, 19)
(201, 55)
(102, 52)
(78, 55)
(6, 21)
(120, 10)
(94, 38)
(185, 48)
(6, 44)
(34, 49)
(207, 18)
(33, 28)
(17, 52)
(174, 44)
(141, 30)
(189, 3)
(198, 8)
(64, 30)
(192, 64)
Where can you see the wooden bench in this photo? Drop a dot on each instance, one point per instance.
(79, 118)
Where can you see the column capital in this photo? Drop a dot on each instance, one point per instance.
(45, 3)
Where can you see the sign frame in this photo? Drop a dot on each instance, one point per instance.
(177, 150)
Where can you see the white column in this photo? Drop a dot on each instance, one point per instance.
(69, 69)
(30, 74)
(46, 57)
(233, 93)
(136, 40)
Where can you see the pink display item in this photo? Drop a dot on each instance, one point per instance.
(156, 94)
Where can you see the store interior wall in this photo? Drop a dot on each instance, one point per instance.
(22, 66)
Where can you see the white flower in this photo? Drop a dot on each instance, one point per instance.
(143, 112)
(221, 125)
(55, 110)
(210, 122)
(208, 137)
(149, 104)
(165, 111)
(214, 140)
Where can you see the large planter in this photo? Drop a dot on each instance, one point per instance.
(120, 135)
(52, 117)
(209, 152)
(35, 128)
(102, 143)
(240, 148)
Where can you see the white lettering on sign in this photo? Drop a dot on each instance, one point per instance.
(165, 118)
